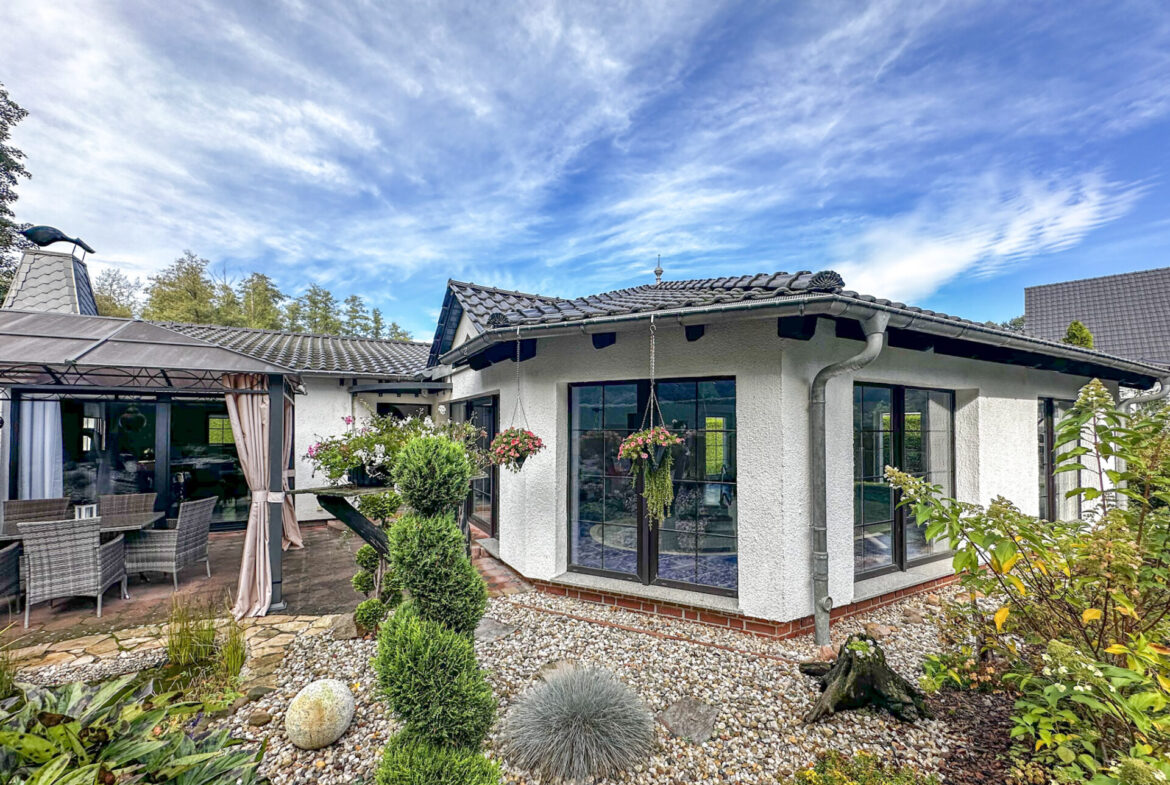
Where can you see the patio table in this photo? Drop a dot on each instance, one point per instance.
(111, 524)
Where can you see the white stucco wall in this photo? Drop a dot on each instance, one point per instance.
(995, 436)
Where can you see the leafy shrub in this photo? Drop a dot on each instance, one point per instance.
(580, 724)
(114, 732)
(430, 677)
(407, 762)
(363, 582)
(370, 613)
(1088, 593)
(367, 558)
(379, 507)
(429, 557)
(834, 768)
(390, 592)
(959, 669)
(433, 475)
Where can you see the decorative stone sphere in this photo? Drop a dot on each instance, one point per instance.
(319, 714)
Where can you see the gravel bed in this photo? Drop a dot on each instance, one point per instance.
(354, 756)
(108, 668)
(758, 736)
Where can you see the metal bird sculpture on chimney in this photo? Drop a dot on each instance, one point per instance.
(41, 236)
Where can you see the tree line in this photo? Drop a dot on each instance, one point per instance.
(188, 291)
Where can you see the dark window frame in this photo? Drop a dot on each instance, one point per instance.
(647, 550)
(465, 406)
(903, 515)
(1050, 498)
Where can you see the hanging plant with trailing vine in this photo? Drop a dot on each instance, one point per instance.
(649, 454)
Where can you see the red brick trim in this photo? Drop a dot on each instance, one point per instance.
(734, 621)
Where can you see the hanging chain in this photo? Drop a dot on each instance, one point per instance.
(518, 406)
(652, 404)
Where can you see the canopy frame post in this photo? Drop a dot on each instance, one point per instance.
(276, 471)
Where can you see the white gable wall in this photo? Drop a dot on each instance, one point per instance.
(995, 434)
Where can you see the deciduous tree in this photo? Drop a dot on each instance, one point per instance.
(116, 294)
(11, 170)
(182, 292)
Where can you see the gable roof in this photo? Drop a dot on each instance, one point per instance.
(478, 303)
(316, 354)
(53, 282)
(804, 294)
(1128, 314)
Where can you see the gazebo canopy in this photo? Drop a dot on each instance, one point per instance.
(38, 348)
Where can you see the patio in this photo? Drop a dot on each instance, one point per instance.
(316, 583)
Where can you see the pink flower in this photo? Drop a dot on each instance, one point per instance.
(348, 420)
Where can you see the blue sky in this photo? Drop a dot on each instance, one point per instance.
(946, 154)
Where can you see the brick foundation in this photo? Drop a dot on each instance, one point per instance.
(734, 621)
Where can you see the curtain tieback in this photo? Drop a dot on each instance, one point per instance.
(271, 497)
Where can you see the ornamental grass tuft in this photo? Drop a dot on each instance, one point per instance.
(578, 725)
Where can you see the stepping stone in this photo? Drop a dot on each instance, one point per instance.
(489, 630)
(690, 719)
(556, 668)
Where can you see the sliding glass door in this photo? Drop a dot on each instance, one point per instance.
(107, 448)
(696, 547)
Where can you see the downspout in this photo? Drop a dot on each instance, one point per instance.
(1147, 397)
(874, 327)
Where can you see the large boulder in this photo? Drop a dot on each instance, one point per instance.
(319, 714)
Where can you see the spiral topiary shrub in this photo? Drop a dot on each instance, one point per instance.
(367, 558)
(432, 681)
(429, 559)
(363, 582)
(580, 724)
(433, 475)
(412, 762)
(370, 613)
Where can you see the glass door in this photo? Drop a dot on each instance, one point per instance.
(204, 461)
(481, 503)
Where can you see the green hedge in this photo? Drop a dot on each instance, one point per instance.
(429, 557)
(432, 681)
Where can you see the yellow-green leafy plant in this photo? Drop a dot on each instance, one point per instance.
(1082, 607)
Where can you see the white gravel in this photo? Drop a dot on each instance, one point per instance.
(759, 737)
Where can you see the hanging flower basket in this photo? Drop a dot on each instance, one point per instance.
(513, 446)
(649, 454)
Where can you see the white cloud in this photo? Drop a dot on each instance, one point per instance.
(977, 230)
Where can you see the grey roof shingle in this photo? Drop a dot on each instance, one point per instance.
(308, 353)
(52, 282)
(1128, 314)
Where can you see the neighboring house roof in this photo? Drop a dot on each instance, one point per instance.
(321, 354)
(51, 281)
(803, 294)
(1128, 314)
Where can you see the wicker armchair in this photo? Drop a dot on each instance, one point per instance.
(126, 503)
(68, 559)
(10, 575)
(28, 510)
(170, 550)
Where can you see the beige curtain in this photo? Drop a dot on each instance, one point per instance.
(250, 417)
(292, 530)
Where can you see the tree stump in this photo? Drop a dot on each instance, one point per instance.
(860, 677)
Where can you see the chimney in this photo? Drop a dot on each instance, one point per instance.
(51, 281)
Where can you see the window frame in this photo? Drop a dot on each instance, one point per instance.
(464, 406)
(647, 550)
(1051, 497)
(902, 515)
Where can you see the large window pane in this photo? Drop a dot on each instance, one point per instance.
(108, 448)
(203, 465)
(697, 543)
(913, 430)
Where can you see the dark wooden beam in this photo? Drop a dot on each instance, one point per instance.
(799, 328)
(695, 331)
(602, 340)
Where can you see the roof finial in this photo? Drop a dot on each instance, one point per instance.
(658, 271)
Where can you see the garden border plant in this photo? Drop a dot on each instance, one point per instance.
(1081, 607)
